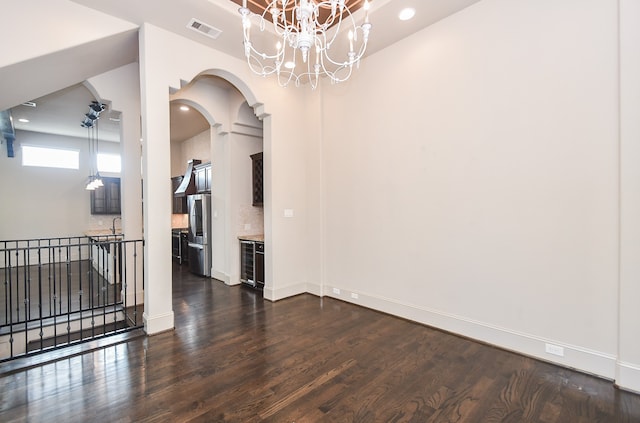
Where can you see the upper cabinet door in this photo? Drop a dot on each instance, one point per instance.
(202, 175)
(106, 199)
(257, 177)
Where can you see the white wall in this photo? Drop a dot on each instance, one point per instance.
(471, 183)
(244, 218)
(47, 202)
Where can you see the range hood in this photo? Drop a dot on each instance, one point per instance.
(188, 184)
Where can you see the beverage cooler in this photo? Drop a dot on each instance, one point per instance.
(199, 235)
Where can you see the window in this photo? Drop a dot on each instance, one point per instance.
(109, 163)
(50, 157)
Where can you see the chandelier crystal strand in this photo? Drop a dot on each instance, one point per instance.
(304, 50)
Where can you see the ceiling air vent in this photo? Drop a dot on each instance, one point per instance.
(204, 28)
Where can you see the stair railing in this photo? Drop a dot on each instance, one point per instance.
(62, 291)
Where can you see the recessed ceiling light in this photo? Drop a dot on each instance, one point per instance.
(184, 108)
(289, 65)
(406, 14)
(23, 120)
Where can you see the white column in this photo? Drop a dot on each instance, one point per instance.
(156, 169)
(131, 189)
(628, 362)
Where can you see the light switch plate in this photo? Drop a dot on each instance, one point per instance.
(288, 212)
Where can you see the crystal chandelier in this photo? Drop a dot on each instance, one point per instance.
(311, 40)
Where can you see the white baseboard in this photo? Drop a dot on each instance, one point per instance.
(157, 324)
(586, 360)
(221, 276)
(281, 293)
(315, 289)
(628, 376)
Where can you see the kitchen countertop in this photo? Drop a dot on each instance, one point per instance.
(103, 234)
(254, 238)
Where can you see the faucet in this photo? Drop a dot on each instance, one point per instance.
(113, 224)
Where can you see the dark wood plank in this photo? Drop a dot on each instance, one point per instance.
(236, 358)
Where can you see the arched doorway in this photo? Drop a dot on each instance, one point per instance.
(233, 135)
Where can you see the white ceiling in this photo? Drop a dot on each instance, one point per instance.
(62, 112)
(174, 15)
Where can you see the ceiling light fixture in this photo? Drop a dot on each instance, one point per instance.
(184, 108)
(310, 31)
(91, 123)
(23, 120)
(406, 14)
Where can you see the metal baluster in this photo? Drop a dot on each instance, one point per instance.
(56, 294)
(25, 259)
(17, 304)
(113, 245)
(123, 280)
(91, 290)
(10, 306)
(27, 284)
(40, 296)
(80, 292)
(69, 305)
(105, 281)
(7, 298)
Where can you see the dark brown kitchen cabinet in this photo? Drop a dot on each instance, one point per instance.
(202, 173)
(257, 179)
(106, 199)
(179, 203)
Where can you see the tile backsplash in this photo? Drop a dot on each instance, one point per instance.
(251, 221)
(179, 221)
(98, 222)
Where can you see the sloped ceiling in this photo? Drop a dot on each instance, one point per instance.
(112, 36)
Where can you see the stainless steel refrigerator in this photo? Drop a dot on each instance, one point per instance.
(199, 236)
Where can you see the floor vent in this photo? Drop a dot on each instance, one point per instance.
(204, 28)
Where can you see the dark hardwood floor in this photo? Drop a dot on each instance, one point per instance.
(236, 358)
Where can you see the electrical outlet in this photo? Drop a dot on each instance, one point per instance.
(554, 349)
(336, 290)
(354, 295)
